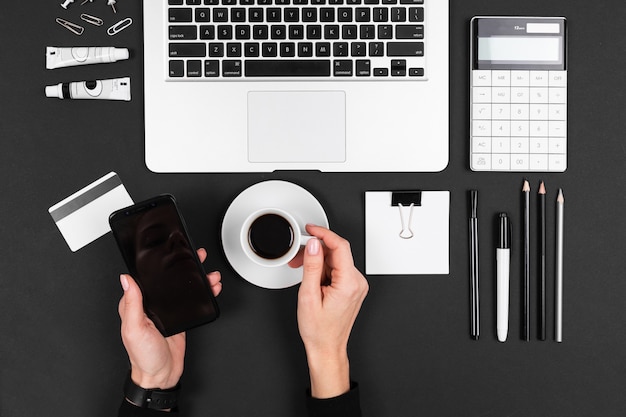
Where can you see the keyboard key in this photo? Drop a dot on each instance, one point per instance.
(358, 49)
(398, 67)
(251, 49)
(405, 49)
(233, 50)
(287, 49)
(183, 33)
(377, 49)
(216, 50)
(203, 15)
(231, 68)
(207, 32)
(180, 15)
(177, 68)
(381, 72)
(409, 32)
(287, 68)
(194, 68)
(269, 49)
(342, 68)
(363, 67)
(182, 50)
(416, 14)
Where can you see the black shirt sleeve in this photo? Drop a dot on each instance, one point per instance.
(346, 405)
(129, 410)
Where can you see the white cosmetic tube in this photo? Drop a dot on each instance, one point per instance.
(69, 57)
(113, 89)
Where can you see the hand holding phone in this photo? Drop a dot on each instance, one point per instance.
(156, 362)
(158, 252)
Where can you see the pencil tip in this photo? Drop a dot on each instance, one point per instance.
(526, 186)
(542, 188)
(560, 197)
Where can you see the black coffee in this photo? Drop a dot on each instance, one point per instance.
(270, 236)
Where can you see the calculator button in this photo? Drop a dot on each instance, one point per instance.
(539, 78)
(538, 128)
(520, 145)
(538, 145)
(520, 162)
(501, 95)
(501, 111)
(557, 95)
(538, 112)
(481, 111)
(520, 78)
(481, 128)
(501, 162)
(501, 78)
(557, 78)
(557, 146)
(519, 128)
(520, 95)
(501, 128)
(481, 78)
(557, 111)
(519, 111)
(482, 94)
(481, 145)
(538, 95)
(481, 162)
(557, 163)
(501, 145)
(539, 162)
(557, 128)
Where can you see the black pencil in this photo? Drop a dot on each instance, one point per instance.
(525, 333)
(541, 284)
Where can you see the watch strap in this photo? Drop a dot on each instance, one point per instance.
(152, 398)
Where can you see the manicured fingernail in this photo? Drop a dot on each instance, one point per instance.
(313, 246)
(124, 282)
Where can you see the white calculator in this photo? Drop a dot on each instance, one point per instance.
(518, 94)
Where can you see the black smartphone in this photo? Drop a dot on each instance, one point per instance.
(160, 256)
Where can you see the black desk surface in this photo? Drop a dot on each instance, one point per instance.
(60, 351)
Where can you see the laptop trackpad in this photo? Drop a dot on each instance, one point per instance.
(297, 126)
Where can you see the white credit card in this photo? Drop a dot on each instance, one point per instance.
(84, 216)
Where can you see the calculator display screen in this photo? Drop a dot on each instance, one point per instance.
(518, 43)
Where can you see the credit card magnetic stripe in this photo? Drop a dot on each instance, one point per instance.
(83, 197)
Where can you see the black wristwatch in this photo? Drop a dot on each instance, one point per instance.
(153, 398)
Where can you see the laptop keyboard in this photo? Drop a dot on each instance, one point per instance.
(296, 39)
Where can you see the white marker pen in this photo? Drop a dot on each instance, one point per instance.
(69, 57)
(113, 89)
(503, 259)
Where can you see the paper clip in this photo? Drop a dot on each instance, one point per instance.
(119, 26)
(91, 19)
(72, 27)
(409, 199)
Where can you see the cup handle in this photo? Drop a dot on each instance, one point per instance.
(304, 239)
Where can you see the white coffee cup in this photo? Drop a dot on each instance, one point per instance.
(271, 237)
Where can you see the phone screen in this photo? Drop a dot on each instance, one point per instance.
(158, 252)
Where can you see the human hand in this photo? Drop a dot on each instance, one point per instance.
(329, 300)
(156, 361)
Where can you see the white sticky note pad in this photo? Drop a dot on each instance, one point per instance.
(427, 252)
(84, 216)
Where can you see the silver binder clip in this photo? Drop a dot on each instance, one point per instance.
(406, 199)
(72, 27)
(96, 21)
(119, 26)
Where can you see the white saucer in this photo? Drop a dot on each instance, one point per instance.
(280, 194)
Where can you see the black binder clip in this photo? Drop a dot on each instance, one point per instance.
(408, 199)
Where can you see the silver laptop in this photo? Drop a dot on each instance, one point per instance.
(265, 85)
